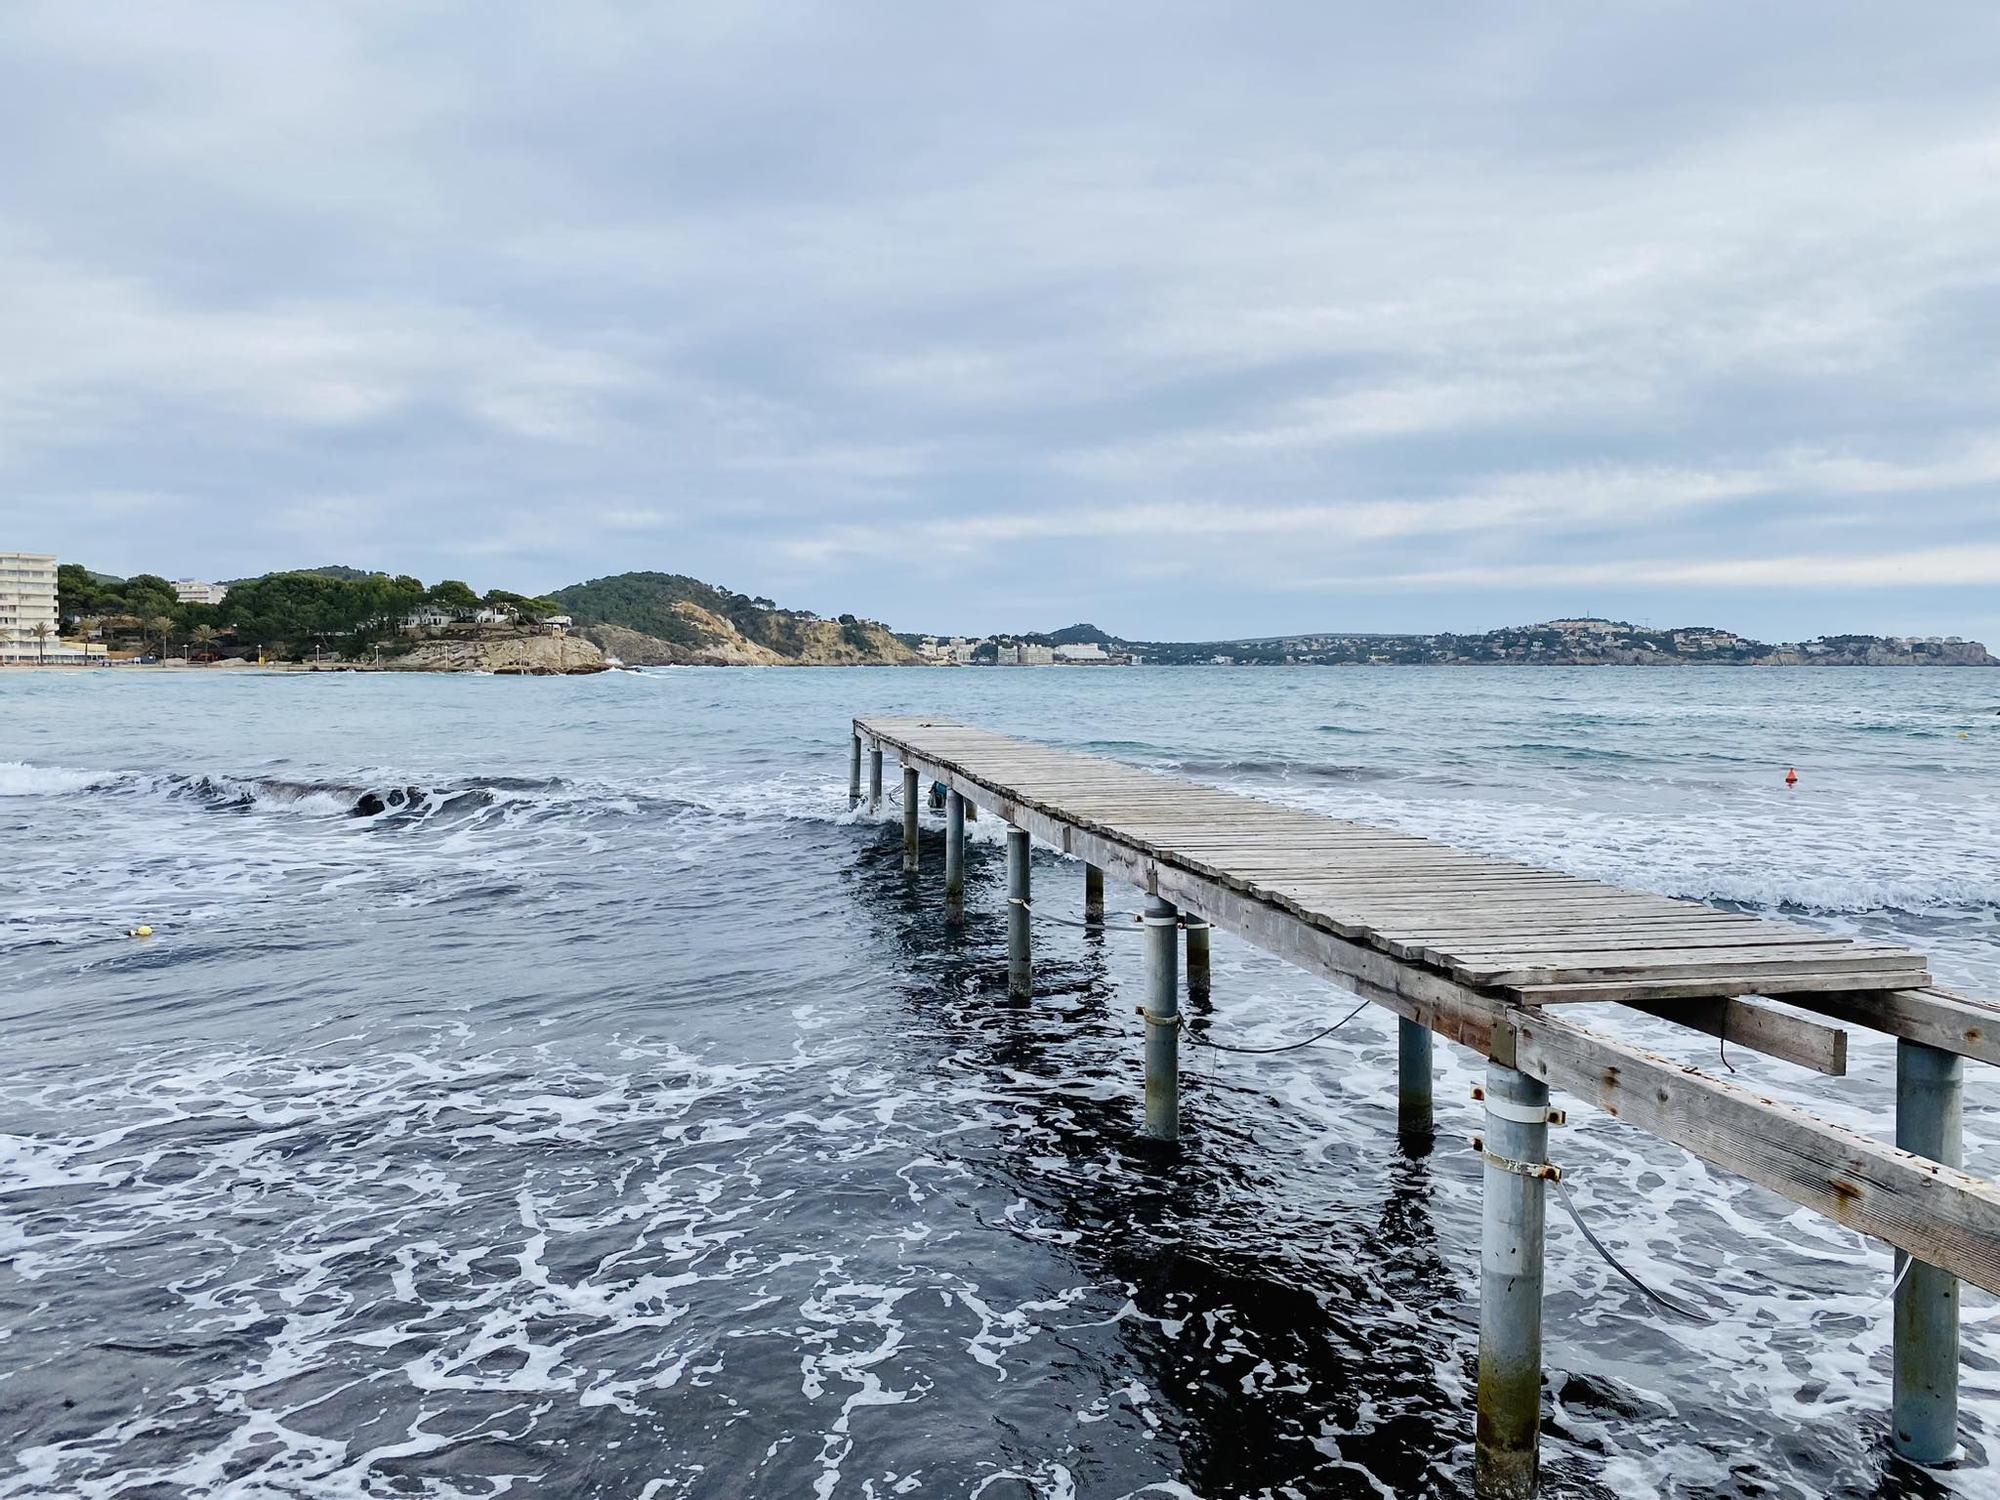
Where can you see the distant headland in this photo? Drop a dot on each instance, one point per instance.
(348, 619)
(1584, 642)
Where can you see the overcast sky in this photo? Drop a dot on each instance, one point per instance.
(1189, 320)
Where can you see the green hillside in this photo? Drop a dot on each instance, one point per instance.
(645, 602)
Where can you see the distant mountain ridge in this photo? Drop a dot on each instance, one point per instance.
(651, 618)
(1573, 642)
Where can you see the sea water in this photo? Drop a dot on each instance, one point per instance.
(548, 1087)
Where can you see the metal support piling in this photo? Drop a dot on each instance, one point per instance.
(1930, 1092)
(1162, 1013)
(1197, 959)
(954, 859)
(874, 778)
(1093, 894)
(1516, 1147)
(853, 772)
(1413, 1083)
(910, 810)
(1020, 968)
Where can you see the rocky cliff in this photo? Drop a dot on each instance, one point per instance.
(510, 656)
(670, 619)
(724, 647)
(814, 643)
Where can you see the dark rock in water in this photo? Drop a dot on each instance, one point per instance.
(1596, 1393)
(371, 804)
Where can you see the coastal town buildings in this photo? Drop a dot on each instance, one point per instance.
(1009, 651)
(194, 591)
(948, 651)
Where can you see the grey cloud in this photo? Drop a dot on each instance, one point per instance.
(1187, 319)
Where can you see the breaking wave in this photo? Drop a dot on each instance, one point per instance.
(221, 792)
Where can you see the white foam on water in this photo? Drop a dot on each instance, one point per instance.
(831, 1242)
(19, 779)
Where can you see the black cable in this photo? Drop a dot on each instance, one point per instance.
(1202, 1041)
(1681, 1309)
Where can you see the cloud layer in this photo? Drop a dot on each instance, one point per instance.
(1185, 320)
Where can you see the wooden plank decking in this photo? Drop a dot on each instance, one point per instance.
(1523, 934)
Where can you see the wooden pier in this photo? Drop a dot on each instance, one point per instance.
(1496, 956)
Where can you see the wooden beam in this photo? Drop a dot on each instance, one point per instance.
(1941, 1215)
(1937, 1018)
(1792, 1039)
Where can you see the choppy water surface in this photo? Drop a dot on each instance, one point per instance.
(548, 1088)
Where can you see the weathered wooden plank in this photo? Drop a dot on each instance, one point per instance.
(1624, 992)
(1529, 946)
(1623, 937)
(1672, 963)
(1937, 1018)
(1941, 1215)
(1775, 1033)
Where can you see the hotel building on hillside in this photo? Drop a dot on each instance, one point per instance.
(194, 591)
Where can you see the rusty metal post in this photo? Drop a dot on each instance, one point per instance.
(1505, 1457)
(1162, 1013)
(1930, 1096)
(1413, 1083)
(1197, 958)
(954, 859)
(1020, 964)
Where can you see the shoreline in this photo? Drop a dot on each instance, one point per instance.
(287, 669)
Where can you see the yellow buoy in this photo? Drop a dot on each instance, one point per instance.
(142, 932)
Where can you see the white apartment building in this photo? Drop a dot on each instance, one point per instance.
(27, 600)
(194, 591)
(1084, 654)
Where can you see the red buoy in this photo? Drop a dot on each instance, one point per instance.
(1792, 777)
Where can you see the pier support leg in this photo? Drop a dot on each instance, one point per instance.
(1930, 1088)
(1163, 1022)
(1413, 1083)
(910, 818)
(853, 772)
(1510, 1287)
(1197, 960)
(1093, 894)
(954, 859)
(875, 778)
(1020, 969)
